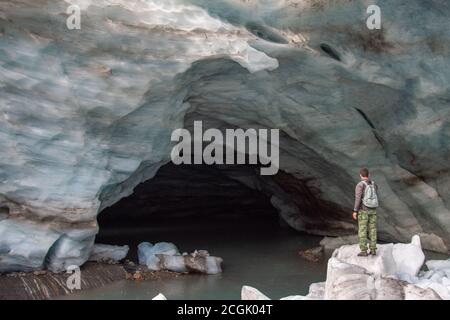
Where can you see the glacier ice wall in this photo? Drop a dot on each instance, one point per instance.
(86, 115)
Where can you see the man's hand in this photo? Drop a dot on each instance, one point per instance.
(355, 215)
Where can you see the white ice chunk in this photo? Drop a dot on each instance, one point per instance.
(106, 252)
(438, 264)
(159, 296)
(409, 258)
(250, 293)
(147, 253)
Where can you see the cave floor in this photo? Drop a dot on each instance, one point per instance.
(41, 285)
(256, 252)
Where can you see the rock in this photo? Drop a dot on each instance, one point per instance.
(107, 253)
(40, 272)
(250, 293)
(313, 255)
(130, 263)
(332, 243)
(129, 276)
(160, 296)
(432, 242)
(138, 276)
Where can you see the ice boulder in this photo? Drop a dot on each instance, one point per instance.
(202, 262)
(413, 292)
(24, 245)
(250, 293)
(194, 262)
(172, 262)
(408, 257)
(438, 264)
(436, 278)
(159, 296)
(108, 253)
(393, 274)
(147, 253)
(442, 290)
(71, 249)
(295, 297)
(316, 291)
(351, 282)
(347, 281)
(165, 256)
(401, 259)
(382, 263)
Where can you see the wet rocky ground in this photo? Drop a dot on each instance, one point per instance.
(46, 285)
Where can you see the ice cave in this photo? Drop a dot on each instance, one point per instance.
(86, 117)
(219, 195)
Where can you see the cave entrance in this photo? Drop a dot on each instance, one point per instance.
(195, 207)
(223, 210)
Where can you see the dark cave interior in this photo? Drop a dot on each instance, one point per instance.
(197, 206)
(192, 204)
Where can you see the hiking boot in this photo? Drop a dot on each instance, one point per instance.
(373, 252)
(363, 254)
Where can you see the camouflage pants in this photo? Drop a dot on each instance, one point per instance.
(367, 224)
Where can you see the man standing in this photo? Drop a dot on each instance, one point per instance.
(366, 202)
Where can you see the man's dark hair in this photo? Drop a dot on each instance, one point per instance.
(364, 172)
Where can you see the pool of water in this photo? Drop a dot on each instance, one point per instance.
(256, 252)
